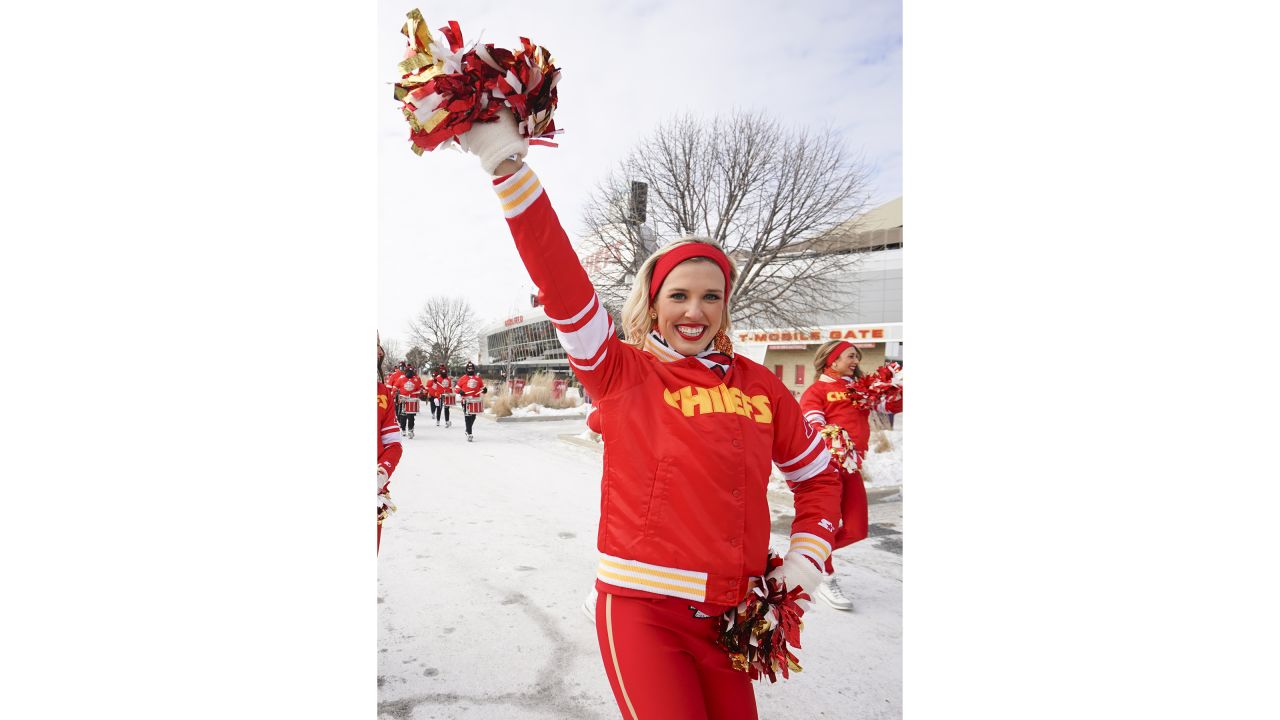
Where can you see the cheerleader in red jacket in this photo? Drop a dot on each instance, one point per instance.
(469, 386)
(828, 409)
(692, 432)
(389, 449)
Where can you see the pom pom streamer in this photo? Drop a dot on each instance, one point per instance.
(445, 87)
(872, 392)
(841, 447)
(761, 631)
(386, 509)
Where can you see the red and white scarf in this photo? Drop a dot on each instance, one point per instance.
(715, 361)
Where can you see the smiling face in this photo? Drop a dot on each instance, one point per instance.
(845, 362)
(691, 306)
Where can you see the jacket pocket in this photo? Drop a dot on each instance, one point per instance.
(659, 498)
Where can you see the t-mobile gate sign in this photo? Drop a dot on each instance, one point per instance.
(864, 333)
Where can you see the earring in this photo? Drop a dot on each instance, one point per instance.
(653, 315)
(722, 343)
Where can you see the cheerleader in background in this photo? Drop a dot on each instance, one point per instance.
(830, 408)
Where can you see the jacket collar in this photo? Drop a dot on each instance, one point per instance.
(712, 359)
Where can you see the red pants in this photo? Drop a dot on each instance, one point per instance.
(664, 664)
(853, 512)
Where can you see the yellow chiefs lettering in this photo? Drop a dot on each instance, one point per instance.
(382, 402)
(691, 400)
(837, 396)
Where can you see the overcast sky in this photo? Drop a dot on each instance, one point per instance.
(626, 67)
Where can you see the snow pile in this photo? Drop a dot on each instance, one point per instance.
(536, 409)
(884, 469)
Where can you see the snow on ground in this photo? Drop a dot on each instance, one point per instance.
(536, 409)
(484, 568)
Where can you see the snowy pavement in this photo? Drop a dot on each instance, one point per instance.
(484, 568)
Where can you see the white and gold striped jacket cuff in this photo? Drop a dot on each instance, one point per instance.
(811, 546)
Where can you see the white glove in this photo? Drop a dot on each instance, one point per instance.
(494, 142)
(385, 507)
(798, 571)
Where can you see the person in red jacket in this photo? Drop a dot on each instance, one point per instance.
(829, 410)
(392, 380)
(408, 395)
(693, 431)
(396, 374)
(893, 407)
(444, 386)
(430, 392)
(389, 448)
(469, 386)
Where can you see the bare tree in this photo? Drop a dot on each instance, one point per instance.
(447, 328)
(390, 353)
(774, 198)
(417, 357)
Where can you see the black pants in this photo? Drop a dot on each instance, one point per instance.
(445, 408)
(406, 420)
(471, 420)
(433, 402)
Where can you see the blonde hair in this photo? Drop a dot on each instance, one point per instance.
(636, 323)
(820, 357)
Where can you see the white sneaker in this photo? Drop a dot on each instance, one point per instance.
(470, 438)
(589, 605)
(448, 424)
(831, 593)
(410, 434)
(437, 423)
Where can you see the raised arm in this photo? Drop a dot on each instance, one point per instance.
(582, 324)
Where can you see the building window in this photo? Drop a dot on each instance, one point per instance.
(799, 374)
(777, 370)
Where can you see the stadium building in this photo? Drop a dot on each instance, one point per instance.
(874, 321)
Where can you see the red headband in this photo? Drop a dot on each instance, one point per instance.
(844, 345)
(685, 252)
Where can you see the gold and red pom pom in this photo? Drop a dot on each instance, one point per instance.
(445, 88)
(760, 632)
